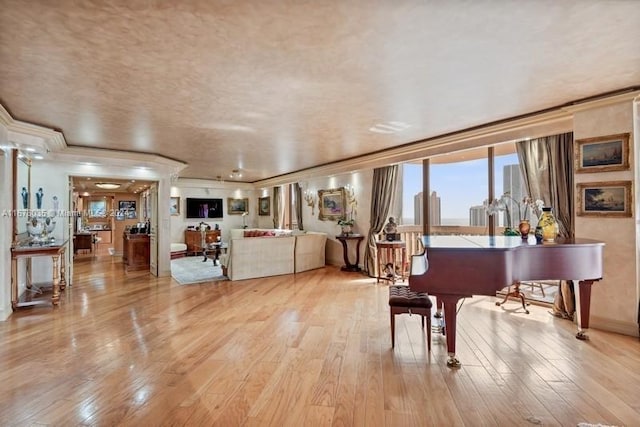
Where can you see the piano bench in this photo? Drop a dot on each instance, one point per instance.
(403, 300)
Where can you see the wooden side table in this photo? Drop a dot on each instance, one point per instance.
(55, 250)
(344, 238)
(392, 260)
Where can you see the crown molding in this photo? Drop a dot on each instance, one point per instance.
(598, 102)
(46, 139)
(53, 142)
(119, 158)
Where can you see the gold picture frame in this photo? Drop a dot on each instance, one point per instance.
(332, 204)
(604, 199)
(602, 154)
(264, 206)
(237, 206)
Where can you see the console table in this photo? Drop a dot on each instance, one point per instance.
(56, 250)
(193, 239)
(344, 238)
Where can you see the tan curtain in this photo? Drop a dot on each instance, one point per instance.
(382, 195)
(298, 195)
(547, 169)
(277, 207)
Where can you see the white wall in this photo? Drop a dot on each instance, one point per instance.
(361, 183)
(614, 304)
(200, 188)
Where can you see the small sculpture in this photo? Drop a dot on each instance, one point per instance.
(25, 198)
(391, 229)
(39, 196)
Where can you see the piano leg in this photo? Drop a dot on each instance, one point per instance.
(583, 307)
(450, 303)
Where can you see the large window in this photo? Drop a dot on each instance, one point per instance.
(459, 185)
(459, 188)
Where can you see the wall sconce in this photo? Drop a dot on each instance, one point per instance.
(310, 198)
(350, 194)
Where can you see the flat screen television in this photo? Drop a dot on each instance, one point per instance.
(204, 208)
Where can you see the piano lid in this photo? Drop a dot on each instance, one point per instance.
(497, 242)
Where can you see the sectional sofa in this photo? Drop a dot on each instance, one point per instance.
(256, 252)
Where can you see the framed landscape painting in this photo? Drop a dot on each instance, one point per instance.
(331, 204)
(174, 206)
(237, 206)
(612, 199)
(602, 154)
(264, 206)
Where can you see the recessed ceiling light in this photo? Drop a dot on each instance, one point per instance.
(107, 185)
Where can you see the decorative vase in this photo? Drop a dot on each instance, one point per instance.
(346, 230)
(524, 227)
(538, 234)
(548, 225)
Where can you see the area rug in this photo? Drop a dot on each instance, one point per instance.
(191, 269)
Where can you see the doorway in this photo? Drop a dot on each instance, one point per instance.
(104, 209)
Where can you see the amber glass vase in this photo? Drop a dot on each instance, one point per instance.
(524, 227)
(548, 225)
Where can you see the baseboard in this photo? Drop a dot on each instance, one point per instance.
(624, 328)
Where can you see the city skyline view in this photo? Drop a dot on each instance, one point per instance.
(459, 186)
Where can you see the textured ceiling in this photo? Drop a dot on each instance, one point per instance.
(272, 87)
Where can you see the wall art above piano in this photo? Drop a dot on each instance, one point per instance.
(604, 199)
(602, 154)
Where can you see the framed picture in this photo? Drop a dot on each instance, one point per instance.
(127, 208)
(237, 206)
(174, 206)
(127, 205)
(120, 215)
(264, 206)
(612, 199)
(602, 154)
(331, 204)
(97, 208)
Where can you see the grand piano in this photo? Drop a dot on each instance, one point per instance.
(463, 266)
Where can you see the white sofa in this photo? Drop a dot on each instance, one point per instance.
(279, 252)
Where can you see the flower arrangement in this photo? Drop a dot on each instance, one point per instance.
(344, 221)
(502, 204)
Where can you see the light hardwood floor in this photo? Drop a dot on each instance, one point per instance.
(298, 350)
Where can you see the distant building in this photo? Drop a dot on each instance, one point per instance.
(478, 216)
(417, 208)
(434, 208)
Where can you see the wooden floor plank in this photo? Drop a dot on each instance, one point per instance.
(305, 349)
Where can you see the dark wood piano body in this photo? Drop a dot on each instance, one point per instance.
(462, 266)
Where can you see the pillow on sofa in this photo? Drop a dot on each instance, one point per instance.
(259, 233)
